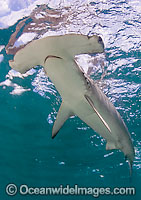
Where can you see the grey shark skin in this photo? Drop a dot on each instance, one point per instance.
(80, 95)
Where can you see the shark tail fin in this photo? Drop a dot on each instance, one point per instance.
(63, 114)
(130, 163)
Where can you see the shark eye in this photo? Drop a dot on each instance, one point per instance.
(99, 39)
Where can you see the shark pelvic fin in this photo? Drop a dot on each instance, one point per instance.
(98, 114)
(110, 146)
(63, 114)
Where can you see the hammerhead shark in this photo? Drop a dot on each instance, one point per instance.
(81, 96)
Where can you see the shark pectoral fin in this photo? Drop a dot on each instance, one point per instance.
(63, 114)
(98, 114)
(110, 146)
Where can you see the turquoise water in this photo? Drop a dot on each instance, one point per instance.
(77, 155)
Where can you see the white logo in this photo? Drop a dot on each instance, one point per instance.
(11, 189)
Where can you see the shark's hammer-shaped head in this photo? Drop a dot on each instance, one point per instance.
(62, 46)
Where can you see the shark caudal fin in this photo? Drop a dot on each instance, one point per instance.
(63, 114)
(130, 164)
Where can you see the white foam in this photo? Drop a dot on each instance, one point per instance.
(17, 89)
(24, 39)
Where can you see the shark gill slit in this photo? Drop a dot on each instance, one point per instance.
(51, 56)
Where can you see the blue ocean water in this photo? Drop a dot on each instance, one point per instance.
(29, 103)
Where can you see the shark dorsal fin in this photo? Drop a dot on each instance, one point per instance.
(63, 114)
(98, 114)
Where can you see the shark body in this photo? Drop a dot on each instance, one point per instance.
(80, 95)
